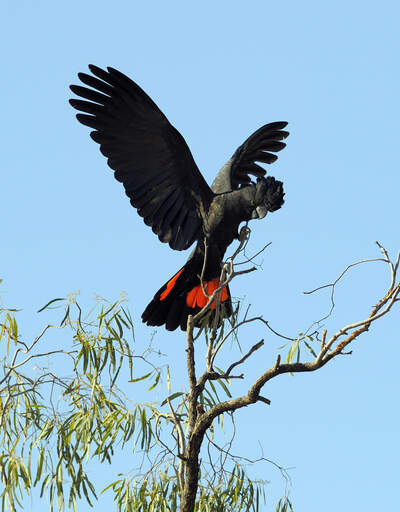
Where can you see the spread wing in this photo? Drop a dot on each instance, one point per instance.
(259, 147)
(149, 156)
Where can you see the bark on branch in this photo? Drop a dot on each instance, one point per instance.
(200, 420)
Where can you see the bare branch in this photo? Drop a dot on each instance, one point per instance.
(43, 354)
(381, 308)
(253, 349)
(251, 258)
(363, 325)
(243, 322)
(333, 285)
(393, 268)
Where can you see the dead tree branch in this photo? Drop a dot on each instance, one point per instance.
(329, 348)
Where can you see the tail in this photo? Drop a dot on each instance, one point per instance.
(182, 296)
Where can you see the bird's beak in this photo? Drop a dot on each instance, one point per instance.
(259, 213)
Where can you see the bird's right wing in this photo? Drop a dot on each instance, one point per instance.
(259, 147)
(149, 156)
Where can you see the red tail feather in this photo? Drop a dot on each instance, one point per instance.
(171, 284)
(197, 298)
(182, 296)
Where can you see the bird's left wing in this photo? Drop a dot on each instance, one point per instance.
(149, 156)
(259, 147)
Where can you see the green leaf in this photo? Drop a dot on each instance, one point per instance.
(48, 304)
(168, 379)
(141, 378)
(171, 397)
(14, 327)
(65, 316)
(310, 348)
(108, 310)
(155, 382)
(39, 466)
(224, 387)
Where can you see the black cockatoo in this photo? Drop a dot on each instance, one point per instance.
(153, 162)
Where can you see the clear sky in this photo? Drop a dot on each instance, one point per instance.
(219, 70)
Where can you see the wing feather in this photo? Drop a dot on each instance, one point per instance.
(149, 156)
(259, 147)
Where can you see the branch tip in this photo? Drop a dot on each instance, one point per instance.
(265, 400)
(324, 332)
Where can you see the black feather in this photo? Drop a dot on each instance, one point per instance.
(93, 82)
(89, 94)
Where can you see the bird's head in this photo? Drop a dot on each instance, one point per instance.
(268, 198)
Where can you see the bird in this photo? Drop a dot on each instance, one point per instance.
(154, 163)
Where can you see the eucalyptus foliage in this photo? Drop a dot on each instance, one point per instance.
(65, 404)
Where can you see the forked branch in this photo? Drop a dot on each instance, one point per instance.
(328, 349)
(330, 346)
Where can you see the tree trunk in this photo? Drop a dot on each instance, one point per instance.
(188, 498)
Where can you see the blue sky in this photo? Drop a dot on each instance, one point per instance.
(219, 70)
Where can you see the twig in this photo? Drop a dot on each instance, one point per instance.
(333, 285)
(251, 258)
(265, 400)
(382, 307)
(253, 349)
(393, 268)
(20, 350)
